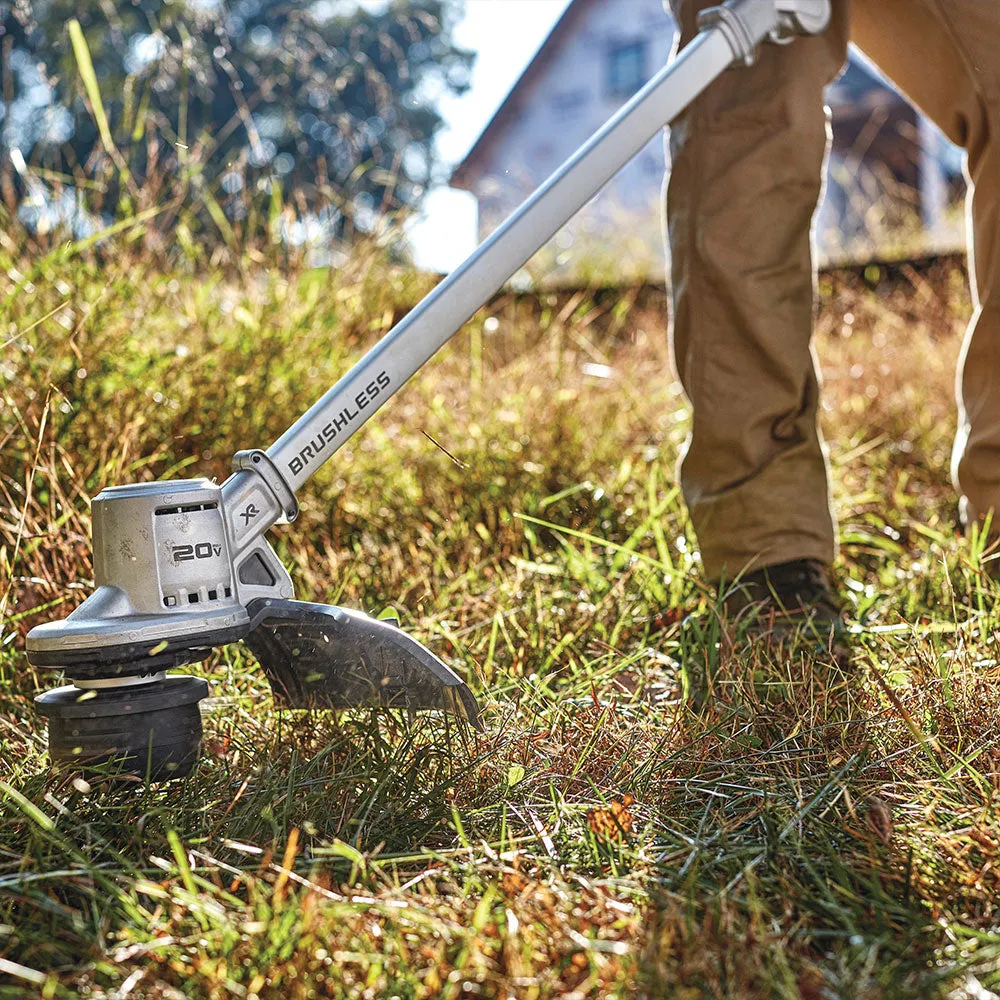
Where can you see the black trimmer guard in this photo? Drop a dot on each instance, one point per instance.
(319, 656)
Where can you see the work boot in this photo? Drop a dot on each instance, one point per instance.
(790, 605)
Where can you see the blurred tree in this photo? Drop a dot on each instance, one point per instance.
(219, 108)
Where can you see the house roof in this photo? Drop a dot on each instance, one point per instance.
(859, 87)
(461, 175)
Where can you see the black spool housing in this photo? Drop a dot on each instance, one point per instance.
(149, 730)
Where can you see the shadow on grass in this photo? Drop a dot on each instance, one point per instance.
(778, 868)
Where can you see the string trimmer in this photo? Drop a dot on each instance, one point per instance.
(181, 567)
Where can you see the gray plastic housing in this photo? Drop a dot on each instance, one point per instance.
(168, 563)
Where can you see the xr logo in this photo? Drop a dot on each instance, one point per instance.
(250, 513)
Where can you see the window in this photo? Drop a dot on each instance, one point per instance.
(626, 69)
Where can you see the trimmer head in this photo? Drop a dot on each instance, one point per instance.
(179, 570)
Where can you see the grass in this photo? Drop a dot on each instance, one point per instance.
(652, 809)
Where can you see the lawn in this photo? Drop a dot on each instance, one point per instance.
(653, 809)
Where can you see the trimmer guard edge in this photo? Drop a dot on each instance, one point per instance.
(319, 656)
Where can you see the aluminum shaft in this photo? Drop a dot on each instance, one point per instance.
(327, 425)
(731, 35)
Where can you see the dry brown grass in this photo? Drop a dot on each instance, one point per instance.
(785, 830)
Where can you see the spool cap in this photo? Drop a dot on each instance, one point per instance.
(151, 730)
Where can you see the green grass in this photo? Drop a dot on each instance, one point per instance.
(789, 831)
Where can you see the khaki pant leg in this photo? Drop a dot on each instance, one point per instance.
(746, 176)
(945, 54)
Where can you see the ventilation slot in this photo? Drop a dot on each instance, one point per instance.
(189, 508)
(170, 600)
(255, 573)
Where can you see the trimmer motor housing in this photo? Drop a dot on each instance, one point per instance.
(166, 585)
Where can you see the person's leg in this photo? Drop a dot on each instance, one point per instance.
(945, 55)
(745, 179)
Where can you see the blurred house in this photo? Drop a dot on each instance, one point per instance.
(892, 178)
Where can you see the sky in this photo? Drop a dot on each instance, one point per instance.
(504, 34)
